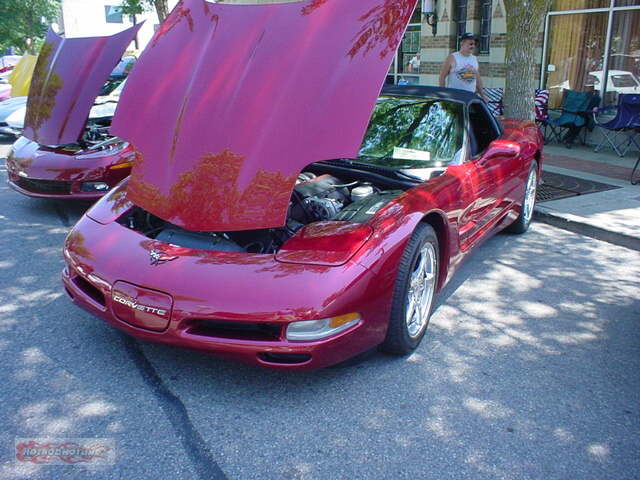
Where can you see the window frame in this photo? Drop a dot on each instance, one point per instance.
(111, 11)
(394, 73)
(484, 45)
(496, 125)
(460, 7)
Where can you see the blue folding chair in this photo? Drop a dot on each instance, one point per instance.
(621, 131)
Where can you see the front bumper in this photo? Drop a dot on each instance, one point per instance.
(43, 173)
(234, 306)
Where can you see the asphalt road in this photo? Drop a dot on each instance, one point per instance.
(530, 370)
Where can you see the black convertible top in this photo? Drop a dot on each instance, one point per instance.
(433, 92)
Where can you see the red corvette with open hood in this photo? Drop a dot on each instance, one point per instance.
(66, 150)
(284, 211)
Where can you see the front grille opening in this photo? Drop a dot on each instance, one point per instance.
(285, 358)
(91, 291)
(235, 330)
(44, 186)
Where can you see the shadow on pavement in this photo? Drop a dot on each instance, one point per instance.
(528, 370)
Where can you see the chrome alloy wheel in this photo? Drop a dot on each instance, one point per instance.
(421, 290)
(530, 196)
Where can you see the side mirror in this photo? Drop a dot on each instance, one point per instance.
(502, 148)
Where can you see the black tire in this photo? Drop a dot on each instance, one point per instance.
(399, 340)
(523, 221)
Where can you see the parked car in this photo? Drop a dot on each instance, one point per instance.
(12, 112)
(86, 161)
(264, 226)
(619, 81)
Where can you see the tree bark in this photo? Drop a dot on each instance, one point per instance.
(524, 19)
(162, 9)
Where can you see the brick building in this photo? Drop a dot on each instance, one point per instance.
(577, 41)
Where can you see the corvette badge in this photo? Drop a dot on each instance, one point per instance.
(158, 258)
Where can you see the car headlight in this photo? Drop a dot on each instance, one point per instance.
(317, 329)
(109, 146)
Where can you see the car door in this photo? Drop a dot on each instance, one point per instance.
(489, 173)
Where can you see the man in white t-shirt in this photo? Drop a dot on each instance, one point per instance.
(461, 69)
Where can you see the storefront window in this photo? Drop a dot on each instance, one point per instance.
(579, 4)
(624, 56)
(405, 69)
(575, 54)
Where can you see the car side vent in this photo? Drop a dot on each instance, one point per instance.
(91, 291)
(235, 330)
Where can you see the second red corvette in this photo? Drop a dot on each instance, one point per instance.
(66, 150)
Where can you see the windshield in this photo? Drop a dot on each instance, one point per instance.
(413, 133)
(623, 80)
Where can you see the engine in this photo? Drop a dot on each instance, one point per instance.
(316, 197)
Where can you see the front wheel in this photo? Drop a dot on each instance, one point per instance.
(415, 287)
(523, 221)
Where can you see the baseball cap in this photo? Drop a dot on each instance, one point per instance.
(467, 36)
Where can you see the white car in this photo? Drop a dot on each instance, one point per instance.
(619, 81)
(12, 113)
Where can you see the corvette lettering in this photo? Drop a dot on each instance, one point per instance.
(137, 306)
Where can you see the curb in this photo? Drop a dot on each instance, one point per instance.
(571, 224)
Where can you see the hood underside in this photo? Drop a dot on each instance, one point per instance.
(257, 93)
(67, 78)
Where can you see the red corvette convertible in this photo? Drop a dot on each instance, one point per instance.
(276, 220)
(66, 150)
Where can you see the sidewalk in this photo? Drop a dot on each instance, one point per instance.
(611, 215)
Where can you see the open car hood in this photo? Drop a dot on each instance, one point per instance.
(67, 78)
(257, 93)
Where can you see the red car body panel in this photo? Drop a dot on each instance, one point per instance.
(264, 289)
(66, 81)
(197, 167)
(228, 160)
(41, 172)
(68, 76)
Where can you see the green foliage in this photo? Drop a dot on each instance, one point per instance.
(136, 7)
(21, 24)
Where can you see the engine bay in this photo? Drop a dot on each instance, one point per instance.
(322, 193)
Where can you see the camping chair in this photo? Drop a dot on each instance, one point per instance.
(635, 179)
(575, 114)
(541, 104)
(495, 100)
(621, 131)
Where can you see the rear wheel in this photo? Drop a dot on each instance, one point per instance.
(523, 221)
(414, 291)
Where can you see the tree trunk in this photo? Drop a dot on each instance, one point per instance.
(162, 9)
(524, 18)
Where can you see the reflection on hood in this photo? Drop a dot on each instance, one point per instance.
(258, 92)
